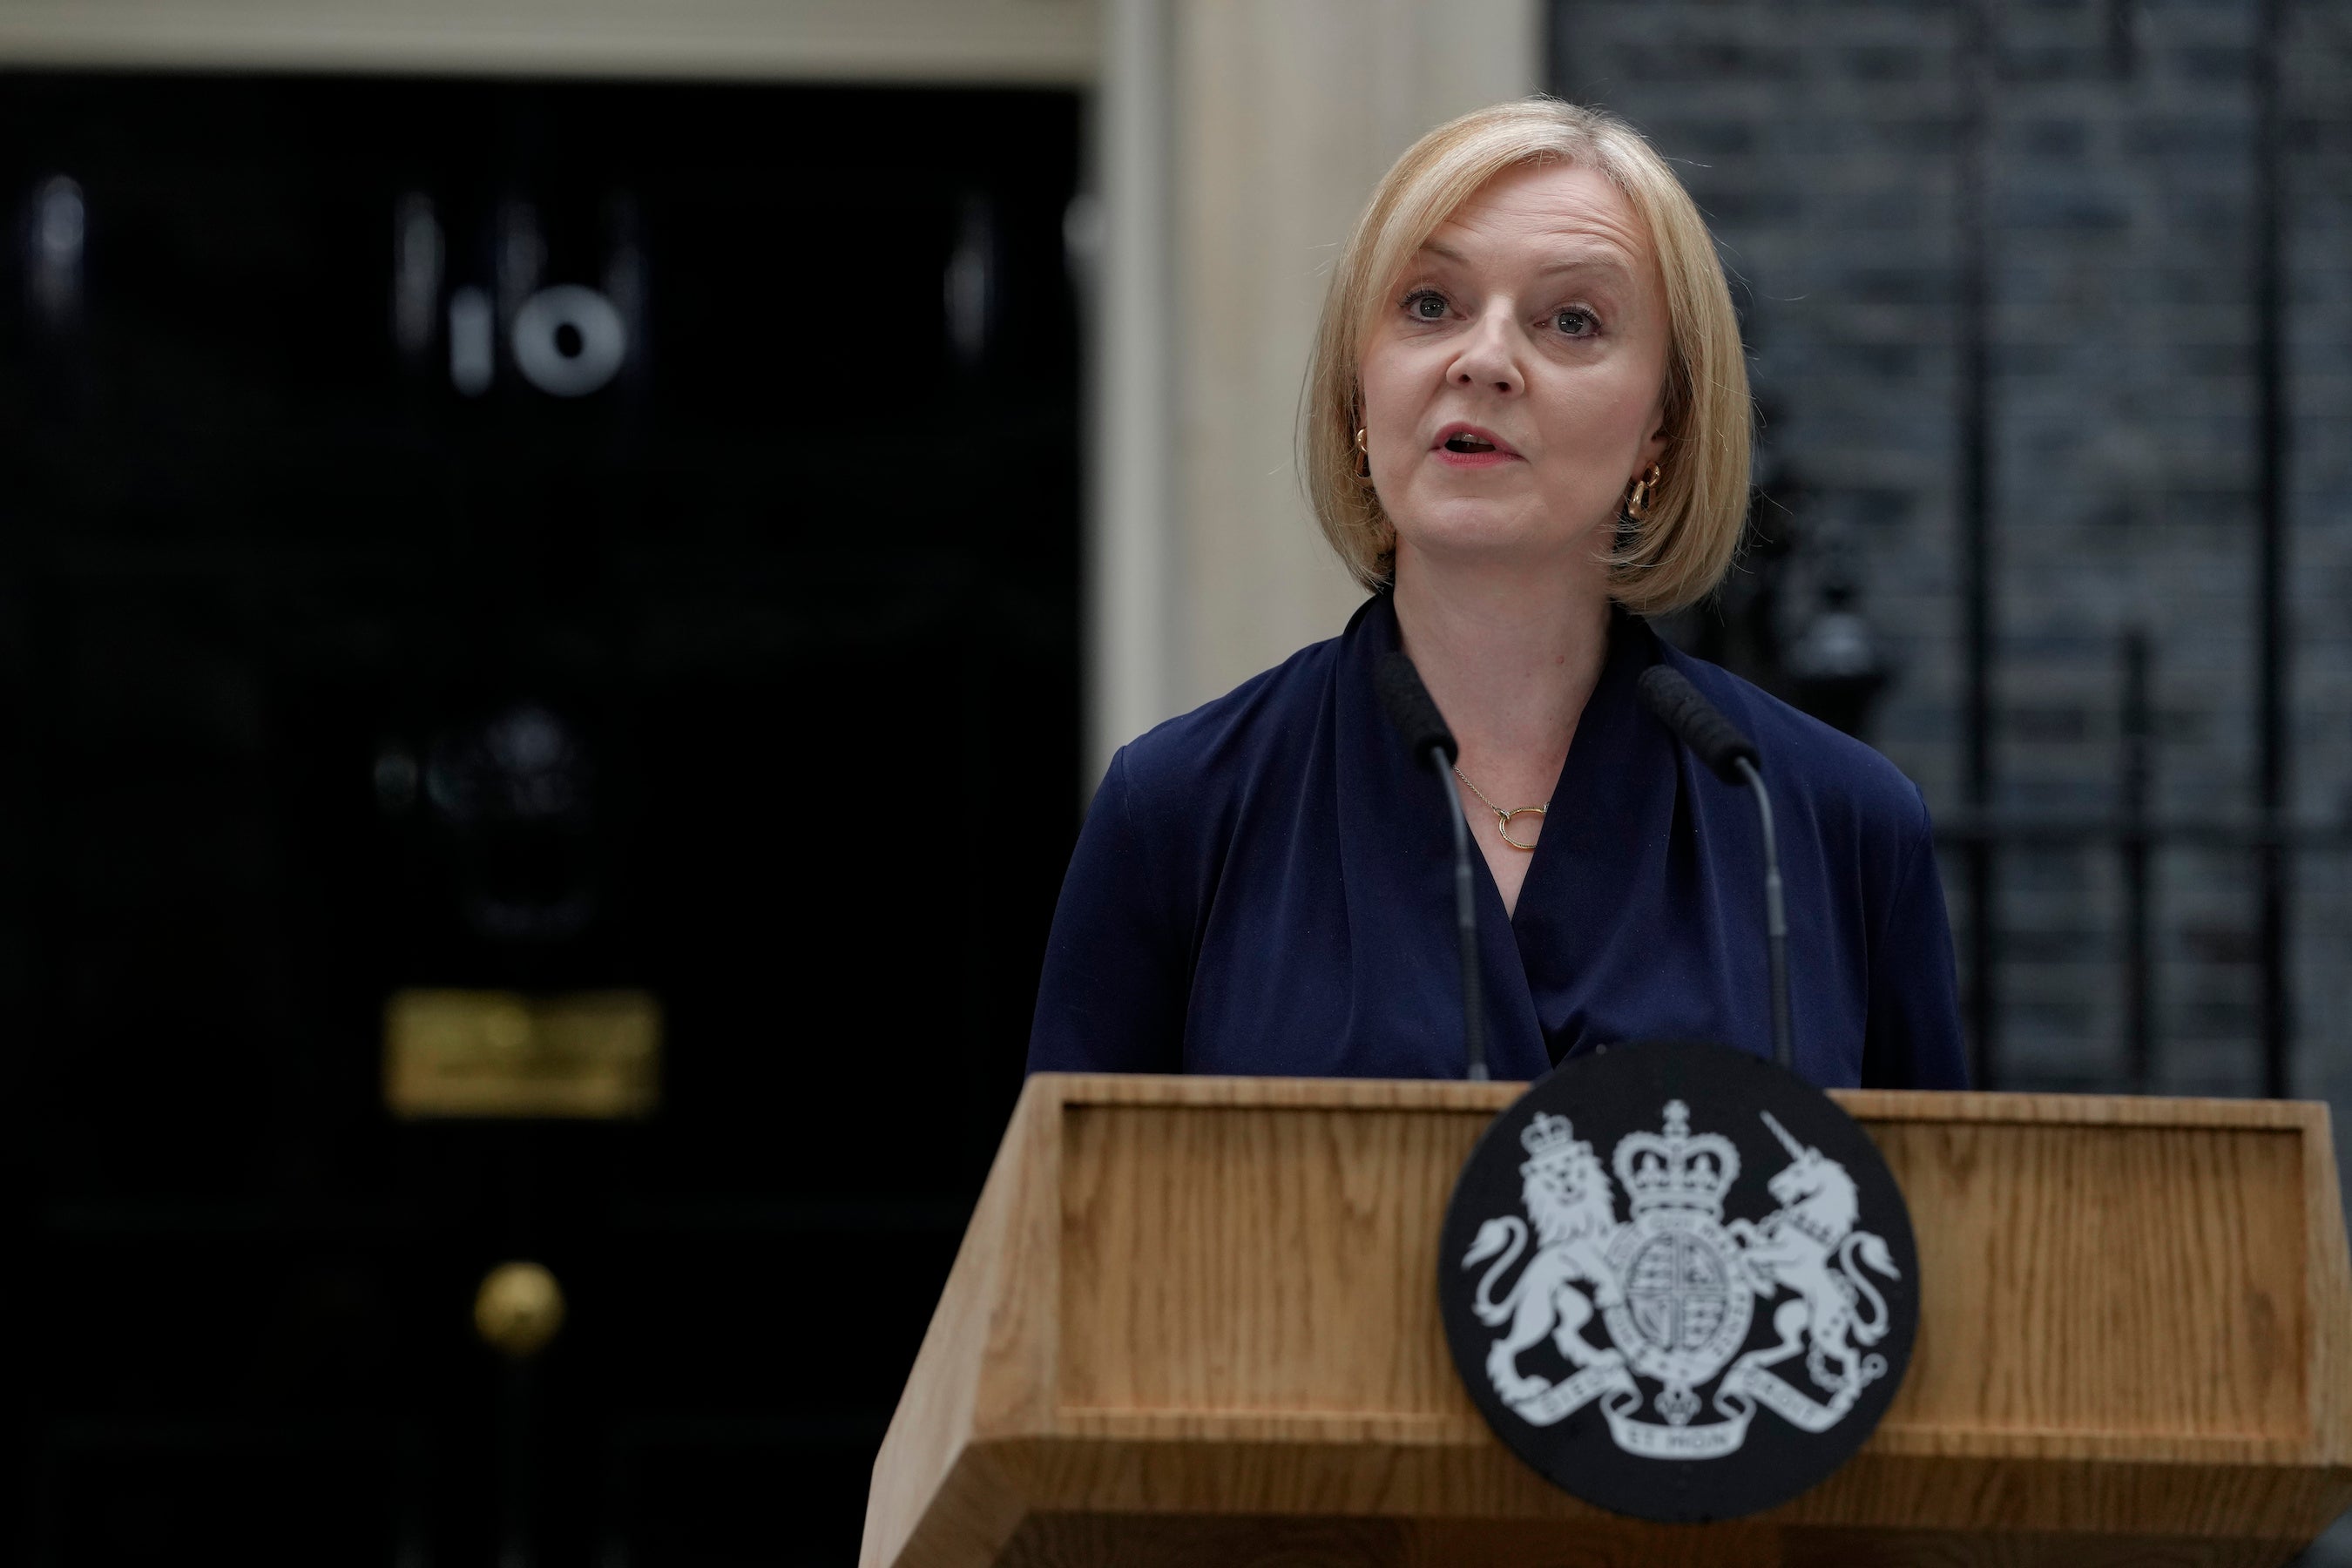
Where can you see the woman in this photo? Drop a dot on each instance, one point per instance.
(1527, 427)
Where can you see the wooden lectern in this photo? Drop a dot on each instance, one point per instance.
(1195, 1321)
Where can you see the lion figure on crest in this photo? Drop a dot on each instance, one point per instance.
(1810, 1245)
(1567, 1193)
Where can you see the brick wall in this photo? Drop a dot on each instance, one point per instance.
(1825, 142)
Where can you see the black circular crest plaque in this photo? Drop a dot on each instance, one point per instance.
(1678, 1281)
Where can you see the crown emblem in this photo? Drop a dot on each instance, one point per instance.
(1550, 1138)
(1676, 1171)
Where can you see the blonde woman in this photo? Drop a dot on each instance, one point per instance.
(1526, 428)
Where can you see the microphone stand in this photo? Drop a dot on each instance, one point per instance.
(1465, 923)
(1776, 917)
(1423, 729)
(1731, 757)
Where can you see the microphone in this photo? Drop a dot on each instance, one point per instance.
(1731, 757)
(1696, 723)
(1413, 712)
(1423, 729)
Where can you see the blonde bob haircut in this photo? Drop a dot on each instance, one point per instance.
(1684, 542)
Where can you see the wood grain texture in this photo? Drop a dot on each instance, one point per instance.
(1213, 1251)
(2104, 1280)
(1196, 1320)
(1086, 1540)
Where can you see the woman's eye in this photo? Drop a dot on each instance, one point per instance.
(1576, 321)
(1424, 306)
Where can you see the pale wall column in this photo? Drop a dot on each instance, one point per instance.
(1278, 115)
(1131, 388)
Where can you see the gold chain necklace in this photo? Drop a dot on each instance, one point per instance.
(1502, 816)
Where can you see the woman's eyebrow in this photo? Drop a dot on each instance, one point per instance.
(1598, 259)
(1607, 262)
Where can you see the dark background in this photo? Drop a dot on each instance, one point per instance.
(787, 613)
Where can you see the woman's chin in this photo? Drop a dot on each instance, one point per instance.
(1479, 536)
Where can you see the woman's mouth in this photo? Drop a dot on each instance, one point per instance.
(1467, 447)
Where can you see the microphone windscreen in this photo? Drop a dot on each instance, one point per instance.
(1411, 708)
(1695, 721)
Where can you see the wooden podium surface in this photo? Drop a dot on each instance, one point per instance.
(1196, 1320)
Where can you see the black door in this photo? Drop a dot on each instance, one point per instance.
(542, 542)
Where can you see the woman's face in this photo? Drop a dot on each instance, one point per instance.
(1515, 380)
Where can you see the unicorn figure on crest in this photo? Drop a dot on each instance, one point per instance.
(1810, 1245)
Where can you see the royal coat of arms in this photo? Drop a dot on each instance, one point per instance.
(1652, 1312)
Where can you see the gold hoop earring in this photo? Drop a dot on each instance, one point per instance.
(1364, 456)
(1637, 498)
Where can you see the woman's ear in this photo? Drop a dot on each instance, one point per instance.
(1654, 449)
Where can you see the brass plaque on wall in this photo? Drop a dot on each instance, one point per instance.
(497, 1053)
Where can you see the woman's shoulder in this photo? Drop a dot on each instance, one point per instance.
(1833, 778)
(1196, 758)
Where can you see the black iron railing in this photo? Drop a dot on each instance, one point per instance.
(2135, 832)
(1980, 831)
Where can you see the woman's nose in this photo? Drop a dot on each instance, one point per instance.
(1487, 359)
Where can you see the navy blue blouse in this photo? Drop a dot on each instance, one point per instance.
(1264, 886)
